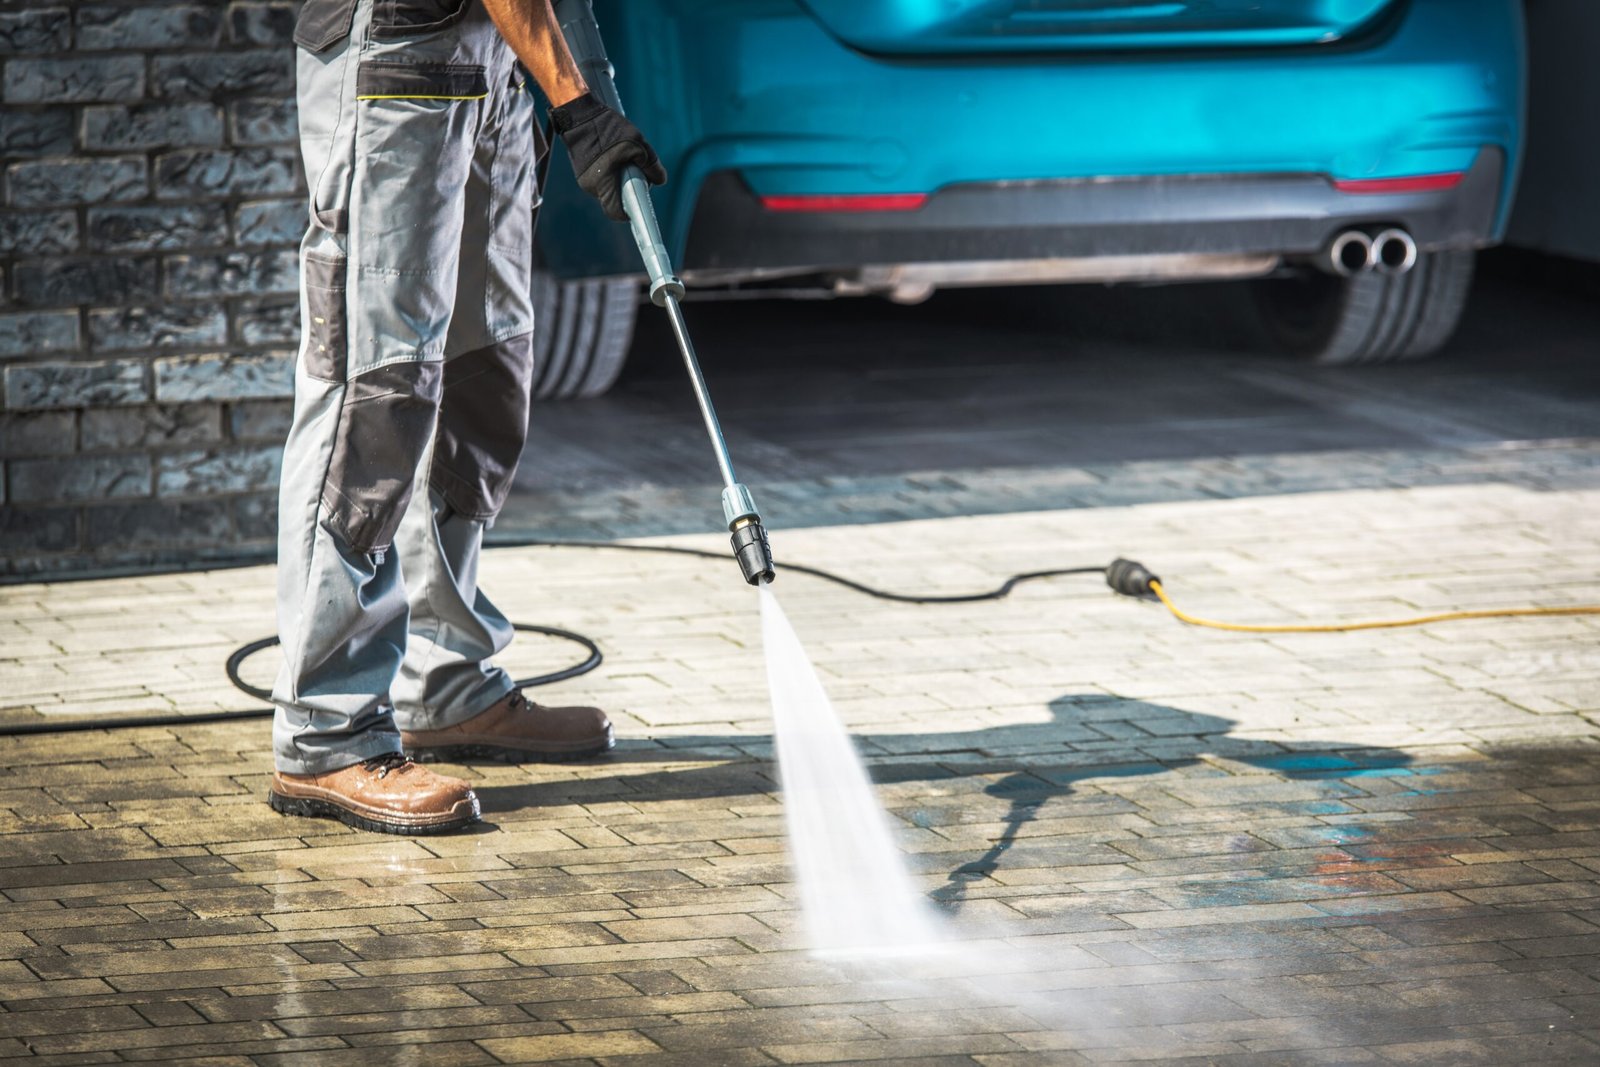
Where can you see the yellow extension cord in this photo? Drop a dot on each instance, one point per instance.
(1376, 624)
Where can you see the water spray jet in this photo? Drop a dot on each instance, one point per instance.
(857, 897)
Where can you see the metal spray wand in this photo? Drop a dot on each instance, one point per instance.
(750, 546)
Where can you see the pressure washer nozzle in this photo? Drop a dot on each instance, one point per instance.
(1129, 577)
(751, 549)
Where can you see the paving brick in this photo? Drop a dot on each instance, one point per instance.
(255, 518)
(160, 326)
(232, 274)
(269, 24)
(38, 529)
(38, 232)
(192, 378)
(205, 75)
(273, 320)
(111, 128)
(103, 280)
(212, 472)
(41, 31)
(152, 26)
(74, 79)
(915, 1050)
(269, 120)
(163, 1037)
(270, 222)
(144, 228)
(71, 385)
(36, 333)
(219, 172)
(45, 433)
(47, 183)
(145, 524)
(151, 425)
(545, 1048)
(1552, 1049)
(33, 131)
(79, 478)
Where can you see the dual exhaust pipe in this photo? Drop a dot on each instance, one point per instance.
(1391, 251)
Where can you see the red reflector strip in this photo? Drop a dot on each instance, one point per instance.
(1422, 183)
(852, 202)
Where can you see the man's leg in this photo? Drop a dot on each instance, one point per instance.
(450, 699)
(341, 612)
(447, 675)
(388, 142)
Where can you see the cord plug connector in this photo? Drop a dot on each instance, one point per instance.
(1130, 578)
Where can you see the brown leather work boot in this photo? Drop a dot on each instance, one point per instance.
(388, 793)
(516, 729)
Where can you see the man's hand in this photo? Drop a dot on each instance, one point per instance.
(601, 142)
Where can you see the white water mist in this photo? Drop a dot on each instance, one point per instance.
(855, 893)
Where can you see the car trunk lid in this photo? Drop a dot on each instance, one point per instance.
(955, 27)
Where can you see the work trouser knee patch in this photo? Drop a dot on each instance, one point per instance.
(326, 330)
(388, 418)
(483, 424)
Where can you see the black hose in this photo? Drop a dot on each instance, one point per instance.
(244, 652)
(998, 593)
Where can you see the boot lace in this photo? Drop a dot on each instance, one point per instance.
(389, 761)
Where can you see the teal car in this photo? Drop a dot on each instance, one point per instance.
(1345, 158)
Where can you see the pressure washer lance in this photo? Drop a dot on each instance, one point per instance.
(750, 546)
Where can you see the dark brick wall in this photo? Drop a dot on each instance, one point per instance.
(150, 204)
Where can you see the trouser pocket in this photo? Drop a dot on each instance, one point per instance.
(326, 331)
(385, 79)
(385, 424)
(416, 133)
(323, 23)
(405, 18)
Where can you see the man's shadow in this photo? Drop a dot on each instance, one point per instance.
(1179, 739)
(1088, 736)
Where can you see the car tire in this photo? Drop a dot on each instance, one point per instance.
(1371, 317)
(582, 330)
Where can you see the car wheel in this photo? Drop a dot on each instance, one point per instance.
(581, 333)
(1370, 317)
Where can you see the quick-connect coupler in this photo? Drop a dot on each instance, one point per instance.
(750, 546)
(1130, 578)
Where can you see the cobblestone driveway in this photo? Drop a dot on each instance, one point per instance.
(1161, 843)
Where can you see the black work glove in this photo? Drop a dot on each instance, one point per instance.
(601, 142)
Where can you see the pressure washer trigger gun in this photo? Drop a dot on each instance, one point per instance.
(750, 545)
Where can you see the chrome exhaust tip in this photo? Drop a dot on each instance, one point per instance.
(1394, 252)
(1349, 254)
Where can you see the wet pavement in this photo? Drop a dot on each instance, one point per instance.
(1155, 843)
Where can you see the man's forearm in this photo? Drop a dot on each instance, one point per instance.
(530, 28)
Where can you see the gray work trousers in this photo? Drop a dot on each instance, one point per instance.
(412, 384)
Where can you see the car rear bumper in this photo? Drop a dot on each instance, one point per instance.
(1234, 149)
(1290, 215)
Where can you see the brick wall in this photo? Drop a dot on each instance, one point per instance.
(152, 203)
